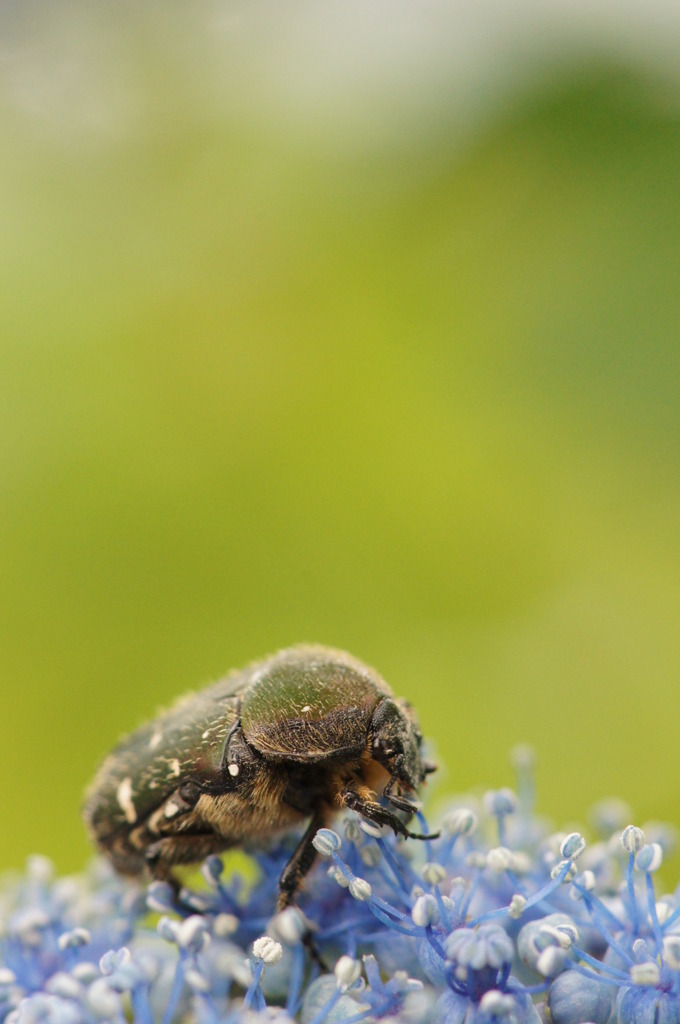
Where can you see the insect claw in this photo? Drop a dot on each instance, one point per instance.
(427, 837)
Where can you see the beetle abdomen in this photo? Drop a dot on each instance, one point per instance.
(149, 764)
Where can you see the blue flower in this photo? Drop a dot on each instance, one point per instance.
(495, 919)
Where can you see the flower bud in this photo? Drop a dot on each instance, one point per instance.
(267, 950)
(326, 842)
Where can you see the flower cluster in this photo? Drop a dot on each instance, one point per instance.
(496, 919)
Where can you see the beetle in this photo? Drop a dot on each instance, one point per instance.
(295, 737)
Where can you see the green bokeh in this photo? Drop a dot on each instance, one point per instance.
(262, 386)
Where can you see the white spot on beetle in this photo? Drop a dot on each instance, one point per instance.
(124, 798)
(171, 809)
(233, 769)
(204, 735)
(155, 739)
(174, 766)
(306, 708)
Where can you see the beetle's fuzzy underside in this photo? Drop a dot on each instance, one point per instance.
(293, 738)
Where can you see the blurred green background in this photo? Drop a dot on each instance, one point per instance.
(318, 323)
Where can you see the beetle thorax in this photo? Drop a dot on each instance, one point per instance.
(308, 705)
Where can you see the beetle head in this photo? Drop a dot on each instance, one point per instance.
(396, 741)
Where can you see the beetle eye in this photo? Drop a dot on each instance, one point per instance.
(189, 792)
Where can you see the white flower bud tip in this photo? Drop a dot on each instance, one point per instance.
(360, 889)
(460, 822)
(64, 985)
(372, 829)
(641, 951)
(267, 950)
(433, 874)
(551, 961)
(552, 935)
(200, 902)
(572, 846)
(191, 933)
(212, 869)
(425, 911)
(500, 802)
(74, 938)
(196, 981)
(645, 974)
(663, 911)
(588, 881)
(103, 1000)
(632, 839)
(347, 971)
(336, 874)
(564, 867)
(159, 897)
(289, 926)
(496, 1004)
(85, 971)
(671, 951)
(517, 905)
(649, 858)
(568, 931)
(500, 859)
(326, 842)
(168, 929)
(29, 923)
(225, 925)
(114, 959)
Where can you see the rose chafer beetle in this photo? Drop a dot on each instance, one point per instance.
(290, 739)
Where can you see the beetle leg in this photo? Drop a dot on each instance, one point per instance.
(374, 812)
(300, 863)
(399, 801)
(293, 873)
(381, 816)
(403, 804)
(163, 855)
